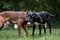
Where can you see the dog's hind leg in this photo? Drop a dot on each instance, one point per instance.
(34, 26)
(49, 27)
(40, 29)
(44, 29)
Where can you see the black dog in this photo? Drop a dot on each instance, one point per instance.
(42, 18)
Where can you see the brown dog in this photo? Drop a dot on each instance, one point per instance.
(16, 17)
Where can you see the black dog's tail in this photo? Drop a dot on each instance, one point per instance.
(52, 16)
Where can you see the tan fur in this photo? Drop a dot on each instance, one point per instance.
(36, 23)
(16, 17)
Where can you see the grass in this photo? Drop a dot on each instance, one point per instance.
(12, 34)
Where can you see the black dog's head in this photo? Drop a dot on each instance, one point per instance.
(29, 15)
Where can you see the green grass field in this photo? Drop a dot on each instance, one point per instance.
(12, 34)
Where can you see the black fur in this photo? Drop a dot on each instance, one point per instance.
(42, 18)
